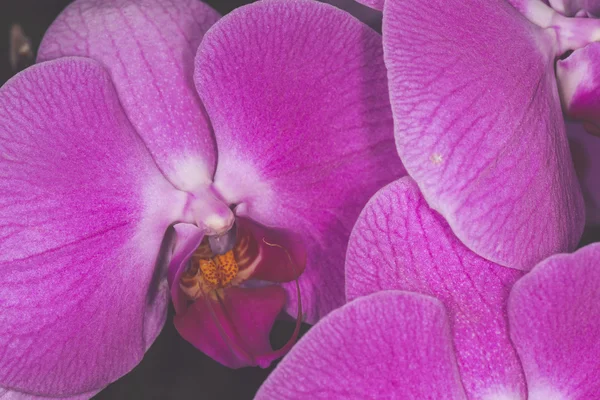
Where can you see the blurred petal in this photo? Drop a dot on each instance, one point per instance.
(400, 243)
(585, 149)
(478, 126)
(148, 46)
(387, 345)
(234, 330)
(554, 316)
(579, 83)
(303, 127)
(83, 213)
(575, 7)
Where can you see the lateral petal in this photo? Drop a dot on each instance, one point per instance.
(83, 210)
(387, 345)
(478, 126)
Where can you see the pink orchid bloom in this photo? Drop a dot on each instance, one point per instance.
(158, 151)
(478, 122)
(430, 319)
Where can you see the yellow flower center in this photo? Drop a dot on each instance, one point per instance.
(210, 272)
(220, 270)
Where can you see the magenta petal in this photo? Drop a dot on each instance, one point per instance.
(478, 126)
(585, 149)
(234, 330)
(555, 325)
(400, 243)
(12, 395)
(149, 47)
(579, 83)
(388, 345)
(83, 210)
(297, 95)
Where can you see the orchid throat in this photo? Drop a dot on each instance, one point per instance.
(219, 262)
(247, 258)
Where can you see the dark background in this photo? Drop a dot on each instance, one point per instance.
(36, 15)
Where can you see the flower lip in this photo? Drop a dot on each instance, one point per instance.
(247, 251)
(219, 309)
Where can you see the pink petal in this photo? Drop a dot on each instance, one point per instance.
(401, 243)
(387, 345)
(554, 316)
(83, 213)
(148, 46)
(12, 395)
(585, 149)
(579, 83)
(478, 126)
(297, 95)
(235, 330)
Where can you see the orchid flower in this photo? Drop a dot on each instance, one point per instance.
(430, 319)
(478, 122)
(158, 150)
